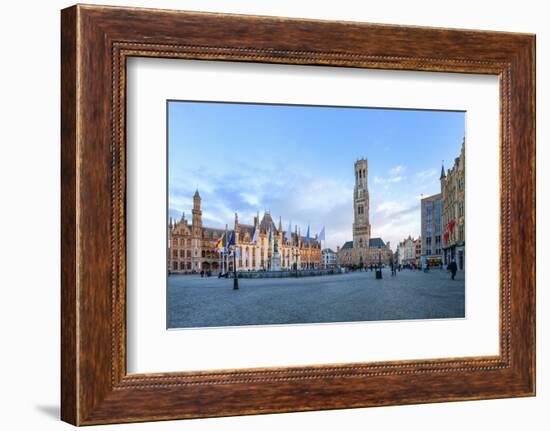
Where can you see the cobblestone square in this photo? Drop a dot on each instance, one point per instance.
(411, 294)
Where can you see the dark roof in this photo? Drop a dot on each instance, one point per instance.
(376, 242)
(348, 244)
(442, 172)
(266, 222)
(246, 228)
(215, 232)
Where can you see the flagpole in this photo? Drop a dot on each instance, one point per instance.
(235, 278)
(225, 251)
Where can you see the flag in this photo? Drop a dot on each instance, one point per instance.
(219, 245)
(307, 235)
(289, 232)
(231, 240)
(321, 236)
(255, 236)
(451, 225)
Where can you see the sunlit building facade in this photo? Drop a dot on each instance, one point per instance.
(192, 246)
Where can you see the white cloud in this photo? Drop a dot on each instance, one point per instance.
(395, 175)
(427, 174)
(393, 220)
(396, 170)
(299, 197)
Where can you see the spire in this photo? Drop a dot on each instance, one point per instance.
(280, 224)
(196, 195)
(442, 171)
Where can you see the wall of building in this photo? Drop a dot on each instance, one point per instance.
(430, 222)
(453, 211)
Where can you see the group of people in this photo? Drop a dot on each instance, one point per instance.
(451, 267)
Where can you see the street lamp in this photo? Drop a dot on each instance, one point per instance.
(235, 278)
(379, 269)
(295, 252)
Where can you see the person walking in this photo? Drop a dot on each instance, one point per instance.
(452, 268)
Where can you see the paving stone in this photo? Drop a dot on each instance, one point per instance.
(211, 302)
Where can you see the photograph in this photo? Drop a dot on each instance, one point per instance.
(281, 214)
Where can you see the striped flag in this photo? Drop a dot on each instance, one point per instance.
(219, 245)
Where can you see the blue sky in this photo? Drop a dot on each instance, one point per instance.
(297, 162)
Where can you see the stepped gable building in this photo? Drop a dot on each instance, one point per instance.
(329, 258)
(191, 247)
(409, 251)
(363, 250)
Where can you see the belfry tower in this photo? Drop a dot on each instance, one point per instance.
(361, 223)
(197, 215)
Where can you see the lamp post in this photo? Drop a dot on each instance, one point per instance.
(296, 253)
(235, 278)
(379, 269)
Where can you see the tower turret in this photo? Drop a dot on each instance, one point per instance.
(236, 227)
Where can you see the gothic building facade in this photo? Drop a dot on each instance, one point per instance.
(453, 216)
(192, 246)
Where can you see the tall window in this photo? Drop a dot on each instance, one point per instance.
(428, 219)
(437, 217)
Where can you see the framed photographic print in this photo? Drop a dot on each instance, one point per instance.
(268, 215)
